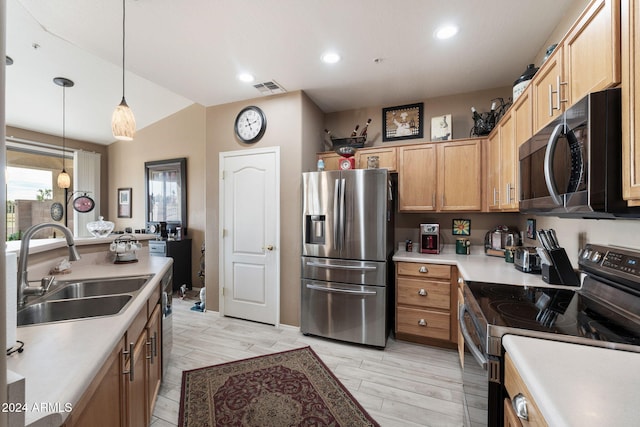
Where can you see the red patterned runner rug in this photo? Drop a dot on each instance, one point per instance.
(291, 388)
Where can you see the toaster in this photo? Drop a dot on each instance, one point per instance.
(527, 260)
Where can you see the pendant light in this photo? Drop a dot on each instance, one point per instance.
(64, 181)
(123, 124)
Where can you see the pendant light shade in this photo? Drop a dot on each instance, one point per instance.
(64, 180)
(123, 124)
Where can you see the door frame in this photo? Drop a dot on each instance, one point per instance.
(221, 260)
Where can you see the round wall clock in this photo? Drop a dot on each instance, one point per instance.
(83, 204)
(57, 211)
(250, 124)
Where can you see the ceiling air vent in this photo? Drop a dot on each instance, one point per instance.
(269, 88)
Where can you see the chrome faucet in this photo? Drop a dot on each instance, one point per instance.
(24, 290)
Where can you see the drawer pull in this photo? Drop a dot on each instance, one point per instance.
(422, 322)
(423, 269)
(519, 403)
(460, 280)
(422, 292)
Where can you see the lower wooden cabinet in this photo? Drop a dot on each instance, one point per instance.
(517, 389)
(425, 303)
(124, 391)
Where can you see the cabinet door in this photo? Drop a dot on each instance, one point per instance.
(631, 101)
(417, 178)
(508, 162)
(460, 176)
(510, 417)
(101, 405)
(136, 387)
(387, 158)
(545, 104)
(154, 356)
(493, 171)
(592, 51)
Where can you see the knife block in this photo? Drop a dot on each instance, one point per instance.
(561, 272)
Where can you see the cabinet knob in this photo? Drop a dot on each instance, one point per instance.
(422, 322)
(422, 292)
(460, 280)
(519, 403)
(423, 269)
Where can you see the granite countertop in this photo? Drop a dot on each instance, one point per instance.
(578, 385)
(60, 359)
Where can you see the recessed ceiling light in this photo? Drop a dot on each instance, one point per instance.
(330, 58)
(446, 32)
(246, 77)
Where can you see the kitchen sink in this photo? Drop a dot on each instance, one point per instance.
(71, 309)
(96, 287)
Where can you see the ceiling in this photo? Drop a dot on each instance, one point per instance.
(180, 53)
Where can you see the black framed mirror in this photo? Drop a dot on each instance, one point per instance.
(166, 194)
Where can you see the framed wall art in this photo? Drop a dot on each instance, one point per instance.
(531, 228)
(461, 227)
(124, 202)
(403, 122)
(441, 128)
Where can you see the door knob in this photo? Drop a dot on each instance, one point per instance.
(269, 247)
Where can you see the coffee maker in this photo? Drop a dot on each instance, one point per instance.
(430, 238)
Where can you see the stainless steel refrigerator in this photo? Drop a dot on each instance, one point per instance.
(347, 231)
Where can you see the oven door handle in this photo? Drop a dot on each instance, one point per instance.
(477, 354)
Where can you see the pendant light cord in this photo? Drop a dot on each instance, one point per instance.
(123, 38)
(64, 109)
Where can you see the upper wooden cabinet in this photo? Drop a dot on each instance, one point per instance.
(330, 159)
(631, 101)
(387, 158)
(444, 176)
(587, 60)
(502, 153)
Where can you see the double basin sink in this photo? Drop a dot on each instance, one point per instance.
(81, 299)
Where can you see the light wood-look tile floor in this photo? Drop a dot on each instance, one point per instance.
(403, 385)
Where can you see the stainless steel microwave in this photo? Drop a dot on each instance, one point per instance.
(573, 166)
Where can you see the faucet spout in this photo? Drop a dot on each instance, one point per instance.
(24, 289)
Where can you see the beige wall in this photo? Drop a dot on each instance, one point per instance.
(291, 119)
(179, 135)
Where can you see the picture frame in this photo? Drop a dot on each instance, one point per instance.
(531, 228)
(403, 122)
(461, 227)
(124, 202)
(441, 128)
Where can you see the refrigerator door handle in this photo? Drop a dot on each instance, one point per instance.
(340, 267)
(336, 208)
(342, 212)
(339, 291)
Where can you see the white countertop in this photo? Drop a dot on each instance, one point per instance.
(60, 359)
(476, 267)
(577, 385)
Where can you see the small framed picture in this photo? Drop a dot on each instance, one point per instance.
(461, 227)
(402, 122)
(124, 202)
(531, 228)
(441, 128)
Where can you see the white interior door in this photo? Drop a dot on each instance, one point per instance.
(250, 234)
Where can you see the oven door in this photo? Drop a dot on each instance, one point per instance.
(475, 375)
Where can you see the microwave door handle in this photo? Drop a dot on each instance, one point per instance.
(477, 354)
(549, 175)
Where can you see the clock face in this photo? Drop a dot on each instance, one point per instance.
(250, 124)
(57, 211)
(345, 163)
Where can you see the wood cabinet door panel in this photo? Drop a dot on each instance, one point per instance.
(331, 160)
(460, 176)
(546, 76)
(417, 178)
(387, 158)
(508, 162)
(426, 323)
(493, 171)
(423, 293)
(514, 385)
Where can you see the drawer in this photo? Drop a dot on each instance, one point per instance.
(437, 271)
(515, 385)
(423, 293)
(424, 323)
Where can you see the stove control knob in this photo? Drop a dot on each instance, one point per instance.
(586, 254)
(596, 257)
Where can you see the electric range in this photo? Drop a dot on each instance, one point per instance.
(604, 311)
